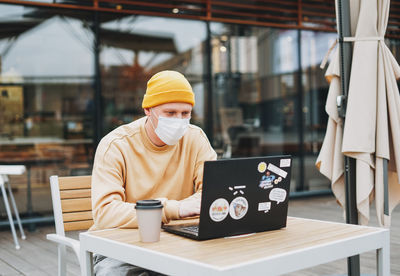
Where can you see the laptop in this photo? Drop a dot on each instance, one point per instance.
(241, 196)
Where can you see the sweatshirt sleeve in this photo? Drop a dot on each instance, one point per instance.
(109, 205)
(204, 152)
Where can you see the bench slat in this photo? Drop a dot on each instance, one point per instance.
(72, 183)
(76, 205)
(80, 193)
(78, 225)
(77, 216)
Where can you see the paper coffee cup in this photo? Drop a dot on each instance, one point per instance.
(149, 213)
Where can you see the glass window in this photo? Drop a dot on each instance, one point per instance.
(46, 97)
(148, 45)
(263, 101)
(255, 91)
(314, 47)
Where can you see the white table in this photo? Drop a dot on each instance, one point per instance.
(302, 244)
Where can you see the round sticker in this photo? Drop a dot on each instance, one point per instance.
(238, 207)
(262, 166)
(219, 209)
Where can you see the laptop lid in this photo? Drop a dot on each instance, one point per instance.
(244, 195)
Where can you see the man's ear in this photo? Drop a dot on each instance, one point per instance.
(147, 111)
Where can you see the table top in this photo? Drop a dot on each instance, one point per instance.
(225, 253)
(12, 169)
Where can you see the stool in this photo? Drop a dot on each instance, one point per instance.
(6, 170)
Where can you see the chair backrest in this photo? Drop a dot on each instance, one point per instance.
(72, 206)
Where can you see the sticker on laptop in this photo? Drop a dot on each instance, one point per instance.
(237, 189)
(264, 206)
(238, 207)
(278, 195)
(267, 180)
(284, 163)
(275, 169)
(219, 209)
(262, 166)
(276, 181)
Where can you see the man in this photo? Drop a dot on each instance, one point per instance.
(159, 156)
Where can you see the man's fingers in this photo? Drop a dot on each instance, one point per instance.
(189, 208)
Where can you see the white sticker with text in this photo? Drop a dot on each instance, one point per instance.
(284, 163)
(219, 209)
(278, 195)
(264, 206)
(277, 170)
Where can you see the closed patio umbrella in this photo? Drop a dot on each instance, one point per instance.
(371, 132)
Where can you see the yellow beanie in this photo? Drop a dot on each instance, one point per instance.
(167, 87)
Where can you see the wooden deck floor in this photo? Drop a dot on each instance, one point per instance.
(38, 256)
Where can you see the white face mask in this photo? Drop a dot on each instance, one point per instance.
(171, 130)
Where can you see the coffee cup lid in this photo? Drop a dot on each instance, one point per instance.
(148, 204)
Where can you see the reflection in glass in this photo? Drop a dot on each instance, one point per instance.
(148, 45)
(46, 97)
(314, 47)
(256, 95)
(263, 102)
(255, 89)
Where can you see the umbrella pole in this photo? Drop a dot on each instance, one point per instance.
(385, 188)
(353, 263)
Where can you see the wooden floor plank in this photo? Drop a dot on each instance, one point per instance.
(6, 269)
(36, 244)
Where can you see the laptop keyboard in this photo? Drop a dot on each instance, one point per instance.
(193, 229)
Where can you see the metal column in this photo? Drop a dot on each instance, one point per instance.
(353, 263)
(209, 118)
(97, 118)
(300, 116)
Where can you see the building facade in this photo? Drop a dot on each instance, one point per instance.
(70, 72)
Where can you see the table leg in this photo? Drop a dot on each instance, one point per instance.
(383, 257)
(86, 263)
(8, 210)
(29, 207)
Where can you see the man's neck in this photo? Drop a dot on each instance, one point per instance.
(152, 135)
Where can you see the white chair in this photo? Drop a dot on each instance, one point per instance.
(72, 209)
(5, 171)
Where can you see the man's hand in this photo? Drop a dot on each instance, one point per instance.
(189, 207)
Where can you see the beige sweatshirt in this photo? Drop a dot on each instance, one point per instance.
(128, 167)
